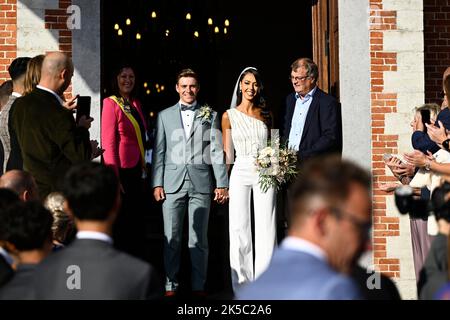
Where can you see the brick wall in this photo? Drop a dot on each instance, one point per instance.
(382, 103)
(8, 36)
(56, 19)
(437, 46)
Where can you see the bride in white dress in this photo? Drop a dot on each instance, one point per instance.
(245, 128)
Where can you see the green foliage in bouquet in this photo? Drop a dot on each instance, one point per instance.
(276, 165)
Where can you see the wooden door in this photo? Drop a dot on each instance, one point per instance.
(326, 44)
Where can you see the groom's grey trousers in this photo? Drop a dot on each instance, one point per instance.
(174, 208)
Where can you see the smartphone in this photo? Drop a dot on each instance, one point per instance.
(83, 107)
(426, 118)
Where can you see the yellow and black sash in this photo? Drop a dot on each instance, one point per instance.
(135, 124)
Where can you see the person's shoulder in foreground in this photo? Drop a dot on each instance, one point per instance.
(299, 276)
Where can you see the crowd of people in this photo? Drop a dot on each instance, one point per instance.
(424, 170)
(70, 225)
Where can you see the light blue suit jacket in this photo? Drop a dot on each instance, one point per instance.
(200, 155)
(295, 275)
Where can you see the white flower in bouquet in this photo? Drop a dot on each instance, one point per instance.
(276, 165)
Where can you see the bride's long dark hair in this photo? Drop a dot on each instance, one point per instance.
(260, 102)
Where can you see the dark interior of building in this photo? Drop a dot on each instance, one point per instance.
(265, 35)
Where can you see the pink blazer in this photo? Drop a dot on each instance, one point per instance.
(118, 136)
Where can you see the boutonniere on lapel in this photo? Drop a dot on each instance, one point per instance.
(205, 114)
(126, 105)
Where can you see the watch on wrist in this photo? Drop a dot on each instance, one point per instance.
(445, 144)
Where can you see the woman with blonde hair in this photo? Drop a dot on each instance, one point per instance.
(33, 74)
(63, 226)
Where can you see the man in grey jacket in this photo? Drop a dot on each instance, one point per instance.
(188, 164)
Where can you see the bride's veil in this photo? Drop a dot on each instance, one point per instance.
(236, 87)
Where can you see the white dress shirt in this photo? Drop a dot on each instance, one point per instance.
(187, 117)
(298, 244)
(94, 235)
(61, 101)
(298, 122)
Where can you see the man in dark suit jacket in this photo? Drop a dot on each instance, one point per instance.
(312, 122)
(49, 139)
(7, 198)
(6, 272)
(27, 229)
(90, 268)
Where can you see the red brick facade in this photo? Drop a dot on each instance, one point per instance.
(8, 36)
(56, 19)
(382, 103)
(436, 14)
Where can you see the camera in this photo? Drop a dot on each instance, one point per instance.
(439, 204)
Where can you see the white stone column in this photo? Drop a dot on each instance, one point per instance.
(354, 80)
(86, 58)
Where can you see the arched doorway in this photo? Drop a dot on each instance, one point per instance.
(164, 36)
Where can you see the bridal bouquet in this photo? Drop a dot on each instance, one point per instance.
(276, 165)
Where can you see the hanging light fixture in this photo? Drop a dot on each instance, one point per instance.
(167, 32)
(196, 34)
(153, 14)
(116, 26)
(188, 16)
(128, 22)
(162, 88)
(145, 84)
(210, 21)
(216, 30)
(225, 31)
(227, 23)
(119, 32)
(138, 36)
(148, 91)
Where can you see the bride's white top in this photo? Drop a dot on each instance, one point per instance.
(248, 134)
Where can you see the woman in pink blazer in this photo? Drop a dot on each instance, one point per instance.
(123, 137)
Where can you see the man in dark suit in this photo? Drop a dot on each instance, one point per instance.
(90, 268)
(312, 122)
(48, 137)
(7, 198)
(27, 229)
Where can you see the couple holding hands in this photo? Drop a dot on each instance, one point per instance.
(191, 158)
(189, 162)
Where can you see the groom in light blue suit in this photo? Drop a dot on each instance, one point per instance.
(188, 164)
(330, 222)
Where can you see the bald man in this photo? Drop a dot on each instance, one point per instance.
(48, 136)
(22, 183)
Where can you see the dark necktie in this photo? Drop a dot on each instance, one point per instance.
(186, 107)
